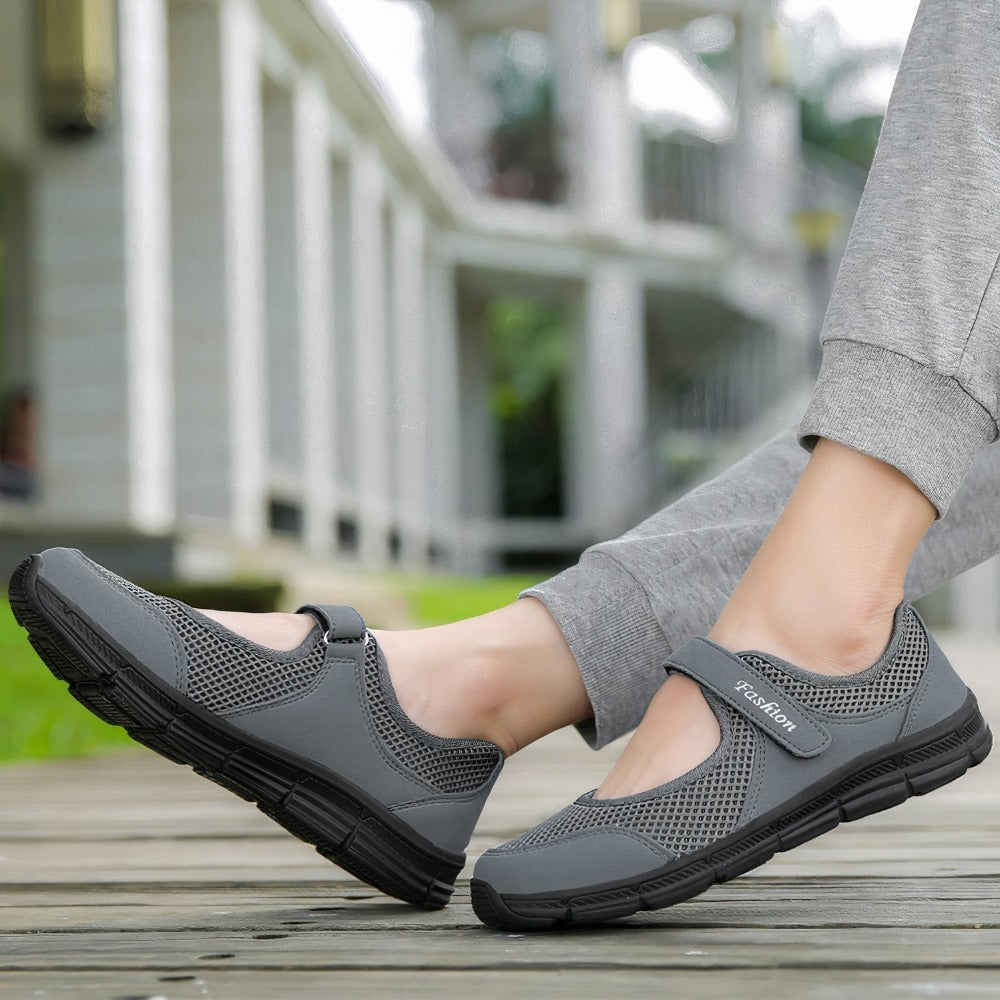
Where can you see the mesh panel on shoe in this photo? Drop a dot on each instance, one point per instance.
(227, 676)
(684, 820)
(894, 682)
(452, 766)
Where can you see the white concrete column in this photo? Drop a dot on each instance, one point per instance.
(601, 144)
(391, 374)
(444, 423)
(282, 259)
(414, 375)
(315, 312)
(101, 271)
(344, 389)
(763, 161)
(463, 113)
(242, 201)
(480, 498)
(145, 129)
(218, 264)
(615, 398)
(368, 294)
(201, 320)
(577, 434)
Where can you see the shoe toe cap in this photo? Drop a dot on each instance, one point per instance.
(578, 861)
(103, 618)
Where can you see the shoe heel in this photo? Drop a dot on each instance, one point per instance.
(949, 757)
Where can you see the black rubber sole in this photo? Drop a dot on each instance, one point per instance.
(878, 781)
(345, 826)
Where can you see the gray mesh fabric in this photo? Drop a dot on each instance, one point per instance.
(687, 815)
(228, 677)
(864, 692)
(228, 674)
(447, 765)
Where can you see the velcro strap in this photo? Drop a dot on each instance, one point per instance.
(340, 621)
(752, 695)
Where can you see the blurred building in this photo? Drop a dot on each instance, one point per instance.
(253, 311)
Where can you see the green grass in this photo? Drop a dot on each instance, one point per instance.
(440, 599)
(39, 720)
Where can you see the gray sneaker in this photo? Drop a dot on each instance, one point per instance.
(800, 753)
(315, 736)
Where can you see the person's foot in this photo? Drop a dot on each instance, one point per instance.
(799, 752)
(821, 592)
(679, 729)
(313, 734)
(507, 676)
(678, 732)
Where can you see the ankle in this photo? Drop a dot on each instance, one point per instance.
(451, 693)
(829, 630)
(507, 676)
(822, 589)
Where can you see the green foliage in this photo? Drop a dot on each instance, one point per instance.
(529, 354)
(827, 69)
(38, 718)
(854, 140)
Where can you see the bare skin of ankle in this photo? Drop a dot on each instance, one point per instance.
(822, 589)
(820, 592)
(508, 676)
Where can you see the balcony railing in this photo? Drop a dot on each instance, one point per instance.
(682, 178)
(733, 383)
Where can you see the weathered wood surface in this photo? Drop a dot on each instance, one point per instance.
(128, 877)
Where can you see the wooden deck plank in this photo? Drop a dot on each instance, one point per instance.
(282, 859)
(630, 944)
(119, 875)
(823, 910)
(596, 984)
(925, 902)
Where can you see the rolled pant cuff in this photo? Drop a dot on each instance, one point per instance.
(618, 644)
(898, 411)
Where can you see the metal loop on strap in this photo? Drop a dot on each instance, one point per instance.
(342, 623)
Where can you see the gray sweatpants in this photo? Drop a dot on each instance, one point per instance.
(910, 375)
